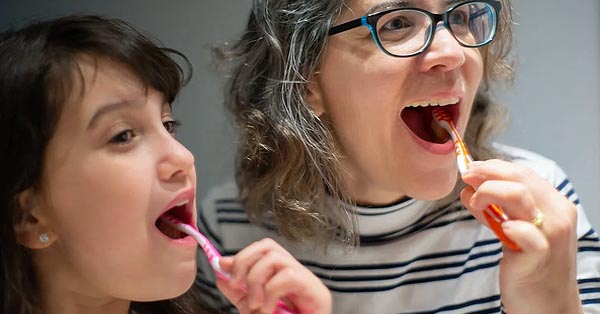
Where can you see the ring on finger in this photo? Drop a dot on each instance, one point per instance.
(538, 220)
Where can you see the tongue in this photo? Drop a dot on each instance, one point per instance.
(420, 121)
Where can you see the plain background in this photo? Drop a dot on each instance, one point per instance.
(554, 103)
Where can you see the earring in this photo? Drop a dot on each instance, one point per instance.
(44, 237)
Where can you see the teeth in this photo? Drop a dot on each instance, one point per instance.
(434, 102)
(182, 203)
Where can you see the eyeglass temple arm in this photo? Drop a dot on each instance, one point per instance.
(348, 25)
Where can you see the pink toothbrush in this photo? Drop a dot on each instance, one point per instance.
(212, 254)
(495, 216)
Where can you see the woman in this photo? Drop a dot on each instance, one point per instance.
(333, 100)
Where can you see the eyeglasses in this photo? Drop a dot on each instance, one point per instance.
(405, 32)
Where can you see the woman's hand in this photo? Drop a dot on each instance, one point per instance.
(263, 273)
(542, 276)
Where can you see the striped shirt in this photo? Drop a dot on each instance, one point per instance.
(412, 259)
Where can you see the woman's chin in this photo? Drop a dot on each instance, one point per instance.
(435, 190)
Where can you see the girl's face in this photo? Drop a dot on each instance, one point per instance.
(388, 147)
(111, 169)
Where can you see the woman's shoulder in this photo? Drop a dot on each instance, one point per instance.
(542, 165)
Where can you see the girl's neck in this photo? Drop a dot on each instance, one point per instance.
(62, 292)
(73, 302)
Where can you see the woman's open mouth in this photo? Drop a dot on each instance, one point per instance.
(419, 119)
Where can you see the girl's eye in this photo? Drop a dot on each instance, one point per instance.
(123, 137)
(171, 126)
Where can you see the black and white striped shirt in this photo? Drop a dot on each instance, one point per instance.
(412, 259)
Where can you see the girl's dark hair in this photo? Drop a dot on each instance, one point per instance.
(38, 69)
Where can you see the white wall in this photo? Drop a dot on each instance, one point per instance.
(555, 102)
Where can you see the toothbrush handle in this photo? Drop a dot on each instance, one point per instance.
(496, 225)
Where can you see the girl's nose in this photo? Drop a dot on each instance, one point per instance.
(176, 160)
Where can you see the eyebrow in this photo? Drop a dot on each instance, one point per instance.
(401, 4)
(451, 2)
(387, 6)
(106, 109)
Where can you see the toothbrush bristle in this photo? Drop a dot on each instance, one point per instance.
(441, 115)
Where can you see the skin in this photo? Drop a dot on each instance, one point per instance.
(362, 91)
(108, 175)
(268, 273)
(104, 184)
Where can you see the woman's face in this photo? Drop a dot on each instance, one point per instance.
(389, 150)
(111, 169)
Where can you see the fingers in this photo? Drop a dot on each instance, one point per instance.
(517, 189)
(301, 288)
(527, 236)
(246, 258)
(521, 194)
(515, 198)
(236, 296)
(264, 272)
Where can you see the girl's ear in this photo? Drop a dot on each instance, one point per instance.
(31, 227)
(314, 96)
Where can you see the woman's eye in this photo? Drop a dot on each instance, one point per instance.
(171, 126)
(397, 23)
(459, 18)
(123, 137)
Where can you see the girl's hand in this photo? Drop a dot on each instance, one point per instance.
(542, 277)
(267, 272)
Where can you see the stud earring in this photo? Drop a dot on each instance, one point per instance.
(44, 237)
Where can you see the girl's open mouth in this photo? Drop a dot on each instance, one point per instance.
(179, 212)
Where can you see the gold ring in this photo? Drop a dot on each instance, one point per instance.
(538, 220)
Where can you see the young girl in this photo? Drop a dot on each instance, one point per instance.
(333, 100)
(90, 165)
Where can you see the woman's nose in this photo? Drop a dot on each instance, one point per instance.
(444, 53)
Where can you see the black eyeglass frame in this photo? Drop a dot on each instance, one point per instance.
(370, 21)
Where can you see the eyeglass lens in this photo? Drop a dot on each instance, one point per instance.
(407, 31)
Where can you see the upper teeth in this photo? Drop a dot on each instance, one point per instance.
(182, 203)
(434, 102)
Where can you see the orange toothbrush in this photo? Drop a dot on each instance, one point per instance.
(494, 214)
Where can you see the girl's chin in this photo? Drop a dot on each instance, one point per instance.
(169, 290)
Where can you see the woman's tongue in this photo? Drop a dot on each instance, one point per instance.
(420, 121)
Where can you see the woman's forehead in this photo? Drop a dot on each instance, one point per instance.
(363, 7)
